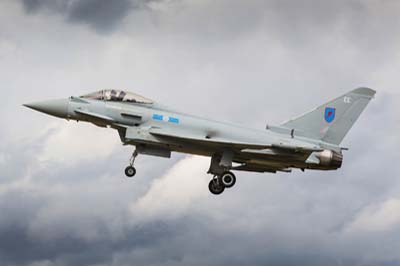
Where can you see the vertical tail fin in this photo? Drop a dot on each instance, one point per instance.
(330, 122)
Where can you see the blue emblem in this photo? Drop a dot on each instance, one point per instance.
(330, 114)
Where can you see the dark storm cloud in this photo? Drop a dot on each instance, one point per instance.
(19, 247)
(101, 15)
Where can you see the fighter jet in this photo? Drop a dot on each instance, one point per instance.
(310, 141)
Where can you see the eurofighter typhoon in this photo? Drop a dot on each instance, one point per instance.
(310, 141)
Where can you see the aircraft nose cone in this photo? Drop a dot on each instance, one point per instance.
(58, 108)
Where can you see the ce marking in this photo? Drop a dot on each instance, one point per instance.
(347, 99)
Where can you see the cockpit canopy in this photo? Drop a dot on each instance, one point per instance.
(117, 96)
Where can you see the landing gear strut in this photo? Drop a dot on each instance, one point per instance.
(218, 184)
(130, 171)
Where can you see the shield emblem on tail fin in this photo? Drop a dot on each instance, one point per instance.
(330, 114)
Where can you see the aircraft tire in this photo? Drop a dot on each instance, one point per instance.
(228, 179)
(130, 171)
(216, 187)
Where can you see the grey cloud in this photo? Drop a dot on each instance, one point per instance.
(35, 5)
(102, 15)
(292, 220)
(17, 247)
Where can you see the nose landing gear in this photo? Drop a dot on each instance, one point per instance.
(130, 171)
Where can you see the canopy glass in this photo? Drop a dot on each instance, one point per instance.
(117, 96)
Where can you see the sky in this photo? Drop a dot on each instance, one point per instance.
(64, 199)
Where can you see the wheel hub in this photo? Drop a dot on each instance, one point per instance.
(227, 179)
(130, 171)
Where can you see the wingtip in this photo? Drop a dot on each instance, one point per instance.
(365, 91)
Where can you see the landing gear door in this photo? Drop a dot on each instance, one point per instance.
(139, 135)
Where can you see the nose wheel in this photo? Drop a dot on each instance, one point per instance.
(218, 184)
(130, 171)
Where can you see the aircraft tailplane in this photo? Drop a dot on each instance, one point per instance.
(330, 122)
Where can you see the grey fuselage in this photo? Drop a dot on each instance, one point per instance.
(137, 122)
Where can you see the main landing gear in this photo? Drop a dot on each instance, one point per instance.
(218, 184)
(219, 167)
(130, 171)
